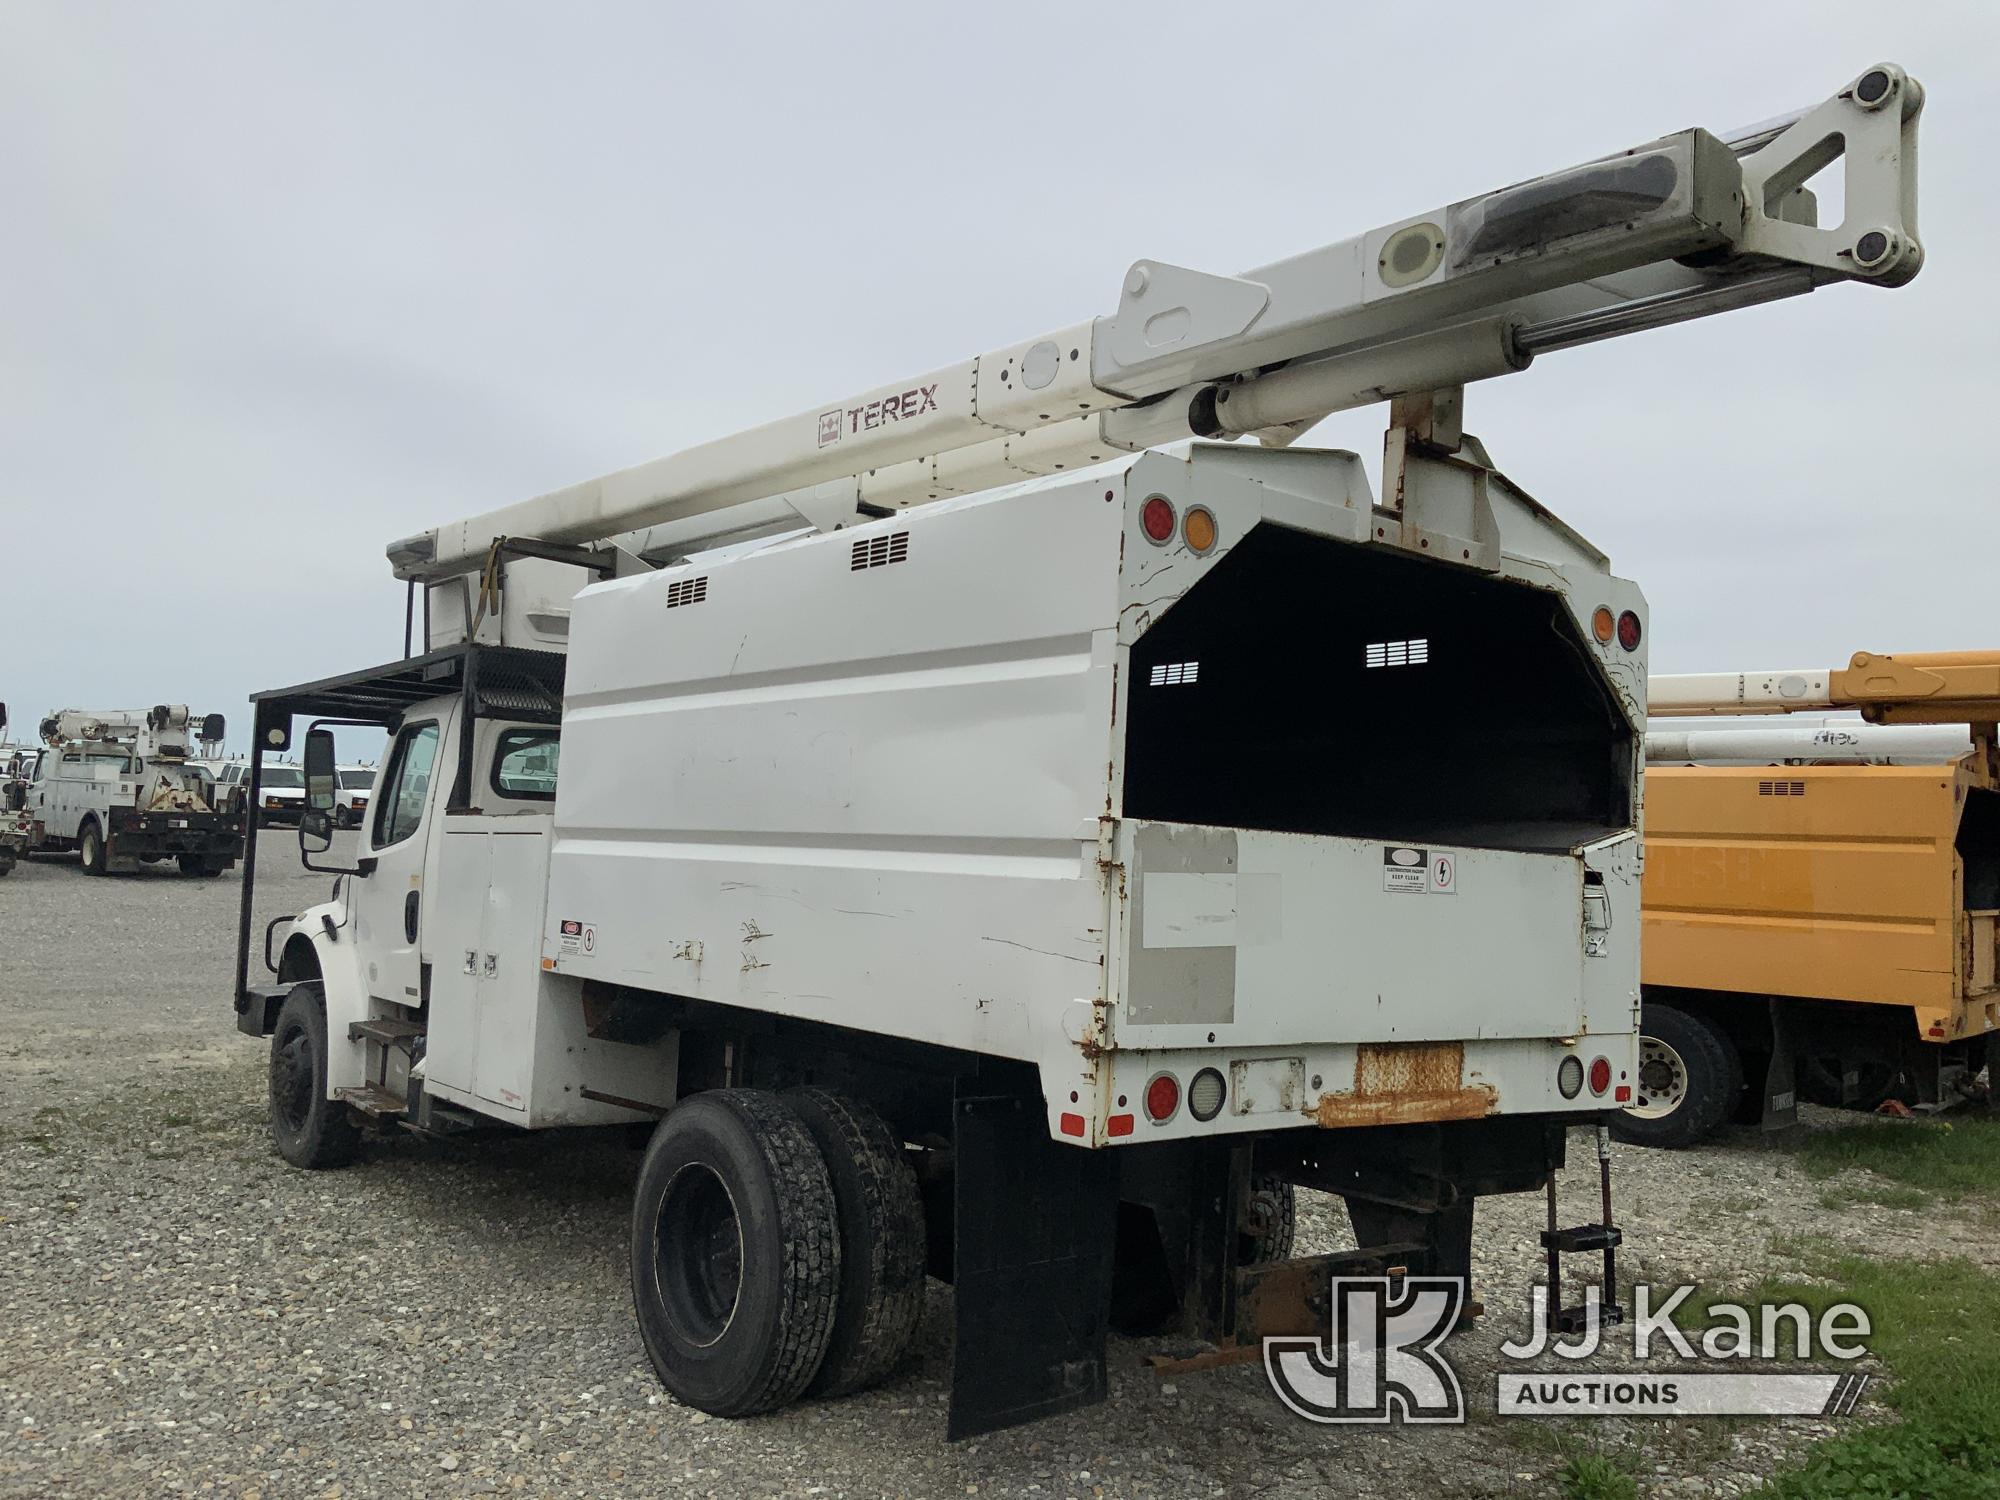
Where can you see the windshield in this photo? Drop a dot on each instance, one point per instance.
(283, 776)
(356, 780)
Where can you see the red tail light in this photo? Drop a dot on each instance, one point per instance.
(1628, 631)
(1600, 1074)
(1156, 518)
(1163, 1097)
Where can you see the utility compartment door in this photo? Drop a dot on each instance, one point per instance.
(1241, 937)
(510, 962)
(457, 933)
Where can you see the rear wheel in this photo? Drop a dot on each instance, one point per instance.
(735, 1252)
(882, 1244)
(309, 1129)
(1269, 1229)
(90, 846)
(1688, 1081)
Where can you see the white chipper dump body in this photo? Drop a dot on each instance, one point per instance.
(1035, 884)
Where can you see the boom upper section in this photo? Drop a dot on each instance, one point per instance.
(1681, 227)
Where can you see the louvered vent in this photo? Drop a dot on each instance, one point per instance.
(687, 591)
(880, 551)
(1176, 673)
(1397, 653)
(1781, 788)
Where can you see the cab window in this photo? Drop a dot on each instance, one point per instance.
(400, 809)
(524, 764)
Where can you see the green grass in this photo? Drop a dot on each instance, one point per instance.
(1886, 1195)
(1920, 1160)
(1934, 1326)
(1589, 1470)
(1594, 1476)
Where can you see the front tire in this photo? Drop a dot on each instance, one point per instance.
(91, 849)
(1689, 1078)
(309, 1129)
(735, 1252)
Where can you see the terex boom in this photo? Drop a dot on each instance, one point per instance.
(1034, 883)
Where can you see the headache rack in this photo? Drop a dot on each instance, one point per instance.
(491, 681)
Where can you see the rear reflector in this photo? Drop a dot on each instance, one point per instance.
(1072, 1124)
(1624, 1094)
(1198, 530)
(1119, 1125)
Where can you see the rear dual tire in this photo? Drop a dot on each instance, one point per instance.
(735, 1253)
(777, 1249)
(1690, 1076)
(882, 1243)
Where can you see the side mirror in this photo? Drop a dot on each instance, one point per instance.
(321, 782)
(315, 831)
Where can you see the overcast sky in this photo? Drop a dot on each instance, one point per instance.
(280, 283)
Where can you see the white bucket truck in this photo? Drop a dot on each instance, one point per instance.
(1034, 883)
(119, 787)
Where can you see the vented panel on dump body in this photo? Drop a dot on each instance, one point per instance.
(1311, 686)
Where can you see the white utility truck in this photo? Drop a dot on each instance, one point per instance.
(16, 828)
(118, 786)
(985, 844)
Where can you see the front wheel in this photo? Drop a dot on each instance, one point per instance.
(1688, 1080)
(309, 1129)
(735, 1252)
(90, 845)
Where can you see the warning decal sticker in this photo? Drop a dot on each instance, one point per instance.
(1419, 872)
(1405, 870)
(578, 938)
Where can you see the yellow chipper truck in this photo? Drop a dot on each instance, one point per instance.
(1820, 899)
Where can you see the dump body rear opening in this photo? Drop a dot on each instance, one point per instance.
(1978, 846)
(1312, 686)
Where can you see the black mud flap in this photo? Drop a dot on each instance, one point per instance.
(1036, 1227)
(1781, 1089)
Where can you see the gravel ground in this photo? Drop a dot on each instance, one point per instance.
(181, 1313)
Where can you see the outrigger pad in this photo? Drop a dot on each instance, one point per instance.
(1036, 1227)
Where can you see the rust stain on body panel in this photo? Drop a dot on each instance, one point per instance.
(1403, 1083)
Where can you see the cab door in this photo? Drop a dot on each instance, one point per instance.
(389, 905)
